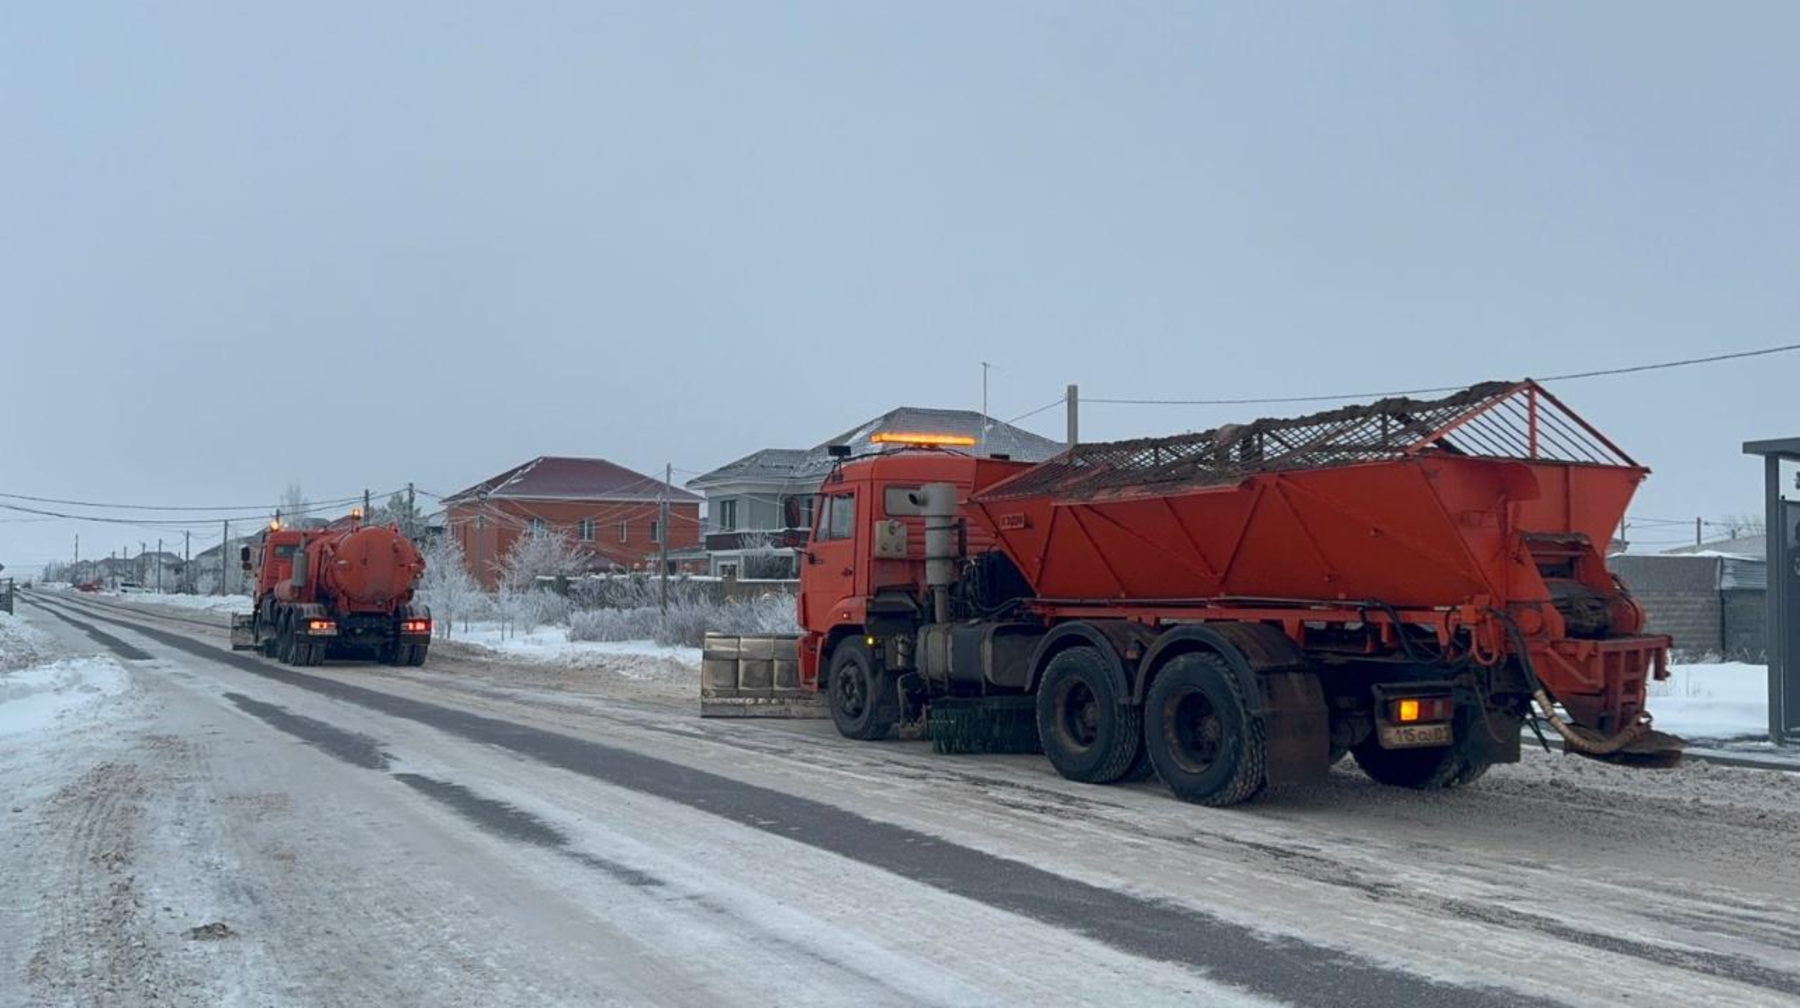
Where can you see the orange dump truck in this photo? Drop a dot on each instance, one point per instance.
(1409, 582)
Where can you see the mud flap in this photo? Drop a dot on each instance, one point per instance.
(1296, 725)
(755, 676)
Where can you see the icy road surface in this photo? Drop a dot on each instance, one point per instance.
(185, 825)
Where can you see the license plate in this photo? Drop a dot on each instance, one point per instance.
(1409, 736)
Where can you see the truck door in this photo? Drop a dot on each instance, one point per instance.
(831, 560)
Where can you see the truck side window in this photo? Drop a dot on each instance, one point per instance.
(839, 520)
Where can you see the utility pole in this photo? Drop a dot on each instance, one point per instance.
(365, 510)
(662, 536)
(411, 507)
(78, 547)
(1073, 405)
(982, 448)
(224, 548)
(159, 566)
(1697, 524)
(187, 544)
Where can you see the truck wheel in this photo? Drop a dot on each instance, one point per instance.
(1427, 769)
(1423, 769)
(284, 641)
(415, 655)
(1085, 727)
(864, 700)
(1203, 739)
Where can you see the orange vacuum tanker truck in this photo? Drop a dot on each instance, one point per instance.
(343, 591)
(1408, 582)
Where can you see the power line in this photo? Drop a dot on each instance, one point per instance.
(1052, 404)
(167, 507)
(1686, 362)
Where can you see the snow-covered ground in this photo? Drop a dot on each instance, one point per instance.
(1720, 700)
(551, 644)
(41, 692)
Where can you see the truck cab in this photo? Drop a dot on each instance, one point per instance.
(863, 570)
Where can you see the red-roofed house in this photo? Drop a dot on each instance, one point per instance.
(608, 509)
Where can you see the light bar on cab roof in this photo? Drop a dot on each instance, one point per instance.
(910, 438)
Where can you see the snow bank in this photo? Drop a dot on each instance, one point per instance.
(1721, 700)
(21, 644)
(204, 603)
(34, 699)
(551, 644)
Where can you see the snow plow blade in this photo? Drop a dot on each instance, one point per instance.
(755, 676)
(243, 631)
(1653, 750)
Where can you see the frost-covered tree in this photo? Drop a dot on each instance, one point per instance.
(1738, 526)
(761, 558)
(541, 553)
(293, 501)
(447, 586)
(397, 511)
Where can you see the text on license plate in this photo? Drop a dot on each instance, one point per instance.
(1407, 736)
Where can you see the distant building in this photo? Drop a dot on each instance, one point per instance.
(608, 510)
(747, 500)
(1709, 598)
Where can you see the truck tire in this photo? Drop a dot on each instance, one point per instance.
(864, 700)
(1086, 729)
(1432, 768)
(284, 640)
(1424, 769)
(415, 655)
(1203, 739)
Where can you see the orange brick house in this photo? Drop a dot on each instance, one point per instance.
(608, 510)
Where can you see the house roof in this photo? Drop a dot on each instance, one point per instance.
(1754, 547)
(806, 464)
(553, 477)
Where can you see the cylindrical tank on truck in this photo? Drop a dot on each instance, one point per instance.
(343, 591)
(1407, 582)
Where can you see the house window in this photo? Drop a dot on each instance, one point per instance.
(538, 527)
(624, 532)
(728, 515)
(587, 530)
(655, 530)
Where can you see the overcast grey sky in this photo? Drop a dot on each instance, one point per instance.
(358, 244)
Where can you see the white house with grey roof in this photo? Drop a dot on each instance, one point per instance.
(746, 500)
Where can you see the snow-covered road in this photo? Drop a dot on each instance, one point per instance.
(447, 836)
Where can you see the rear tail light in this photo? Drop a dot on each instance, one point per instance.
(321, 626)
(415, 626)
(1418, 710)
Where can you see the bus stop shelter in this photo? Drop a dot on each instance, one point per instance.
(1782, 522)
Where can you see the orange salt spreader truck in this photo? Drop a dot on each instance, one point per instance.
(1408, 582)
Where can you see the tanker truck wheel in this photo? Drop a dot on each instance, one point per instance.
(1202, 737)
(1086, 729)
(865, 702)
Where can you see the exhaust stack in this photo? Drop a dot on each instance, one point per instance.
(937, 505)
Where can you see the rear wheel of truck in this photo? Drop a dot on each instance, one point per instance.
(1203, 739)
(864, 700)
(1424, 769)
(284, 640)
(1085, 727)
